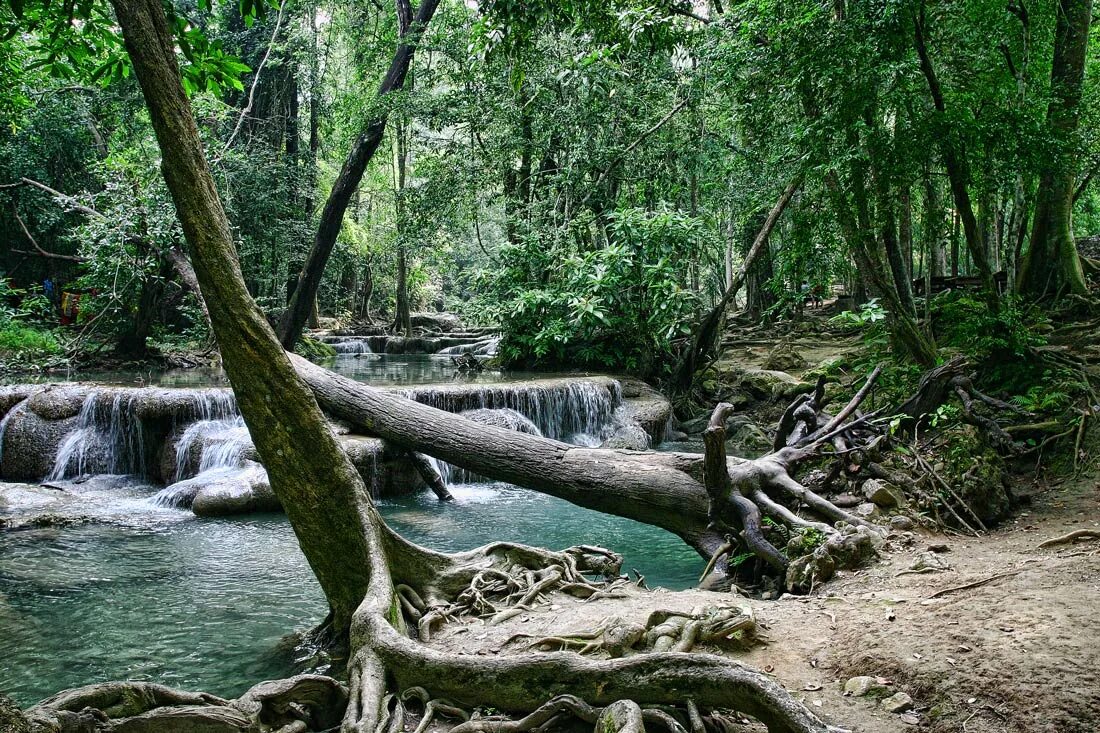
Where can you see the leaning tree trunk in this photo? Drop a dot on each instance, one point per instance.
(308, 470)
(348, 546)
(332, 216)
(1052, 263)
(704, 336)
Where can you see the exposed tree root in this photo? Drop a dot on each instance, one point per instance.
(382, 652)
(742, 495)
(664, 631)
(295, 705)
(1080, 534)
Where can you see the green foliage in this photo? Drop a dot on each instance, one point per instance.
(618, 306)
(21, 341)
(1001, 343)
(869, 314)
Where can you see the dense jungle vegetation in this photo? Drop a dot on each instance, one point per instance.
(588, 177)
(897, 201)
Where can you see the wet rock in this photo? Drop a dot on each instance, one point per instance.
(30, 444)
(898, 703)
(647, 408)
(12, 395)
(237, 492)
(695, 425)
(58, 403)
(12, 719)
(628, 437)
(882, 494)
(503, 418)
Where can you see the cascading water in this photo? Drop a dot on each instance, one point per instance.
(359, 346)
(221, 444)
(220, 438)
(581, 413)
(573, 412)
(108, 438)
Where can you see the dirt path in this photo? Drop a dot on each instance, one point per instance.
(1017, 654)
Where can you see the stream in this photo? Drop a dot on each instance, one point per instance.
(149, 592)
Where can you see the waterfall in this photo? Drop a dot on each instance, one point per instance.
(575, 412)
(108, 437)
(221, 442)
(359, 346)
(581, 413)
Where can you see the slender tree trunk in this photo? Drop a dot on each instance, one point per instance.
(1052, 263)
(933, 226)
(958, 170)
(332, 216)
(895, 254)
(403, 318)
(705, 334)
(864, 248)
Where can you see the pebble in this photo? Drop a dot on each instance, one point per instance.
(898, 703)
(859, 686)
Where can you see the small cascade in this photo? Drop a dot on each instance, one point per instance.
(484, 347)
(567, 412)
(221, 444)
(108, 438)
(357, 346)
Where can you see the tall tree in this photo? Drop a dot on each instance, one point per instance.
(1052, 264)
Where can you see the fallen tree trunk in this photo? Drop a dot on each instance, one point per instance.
(684, 493)
(663, 489)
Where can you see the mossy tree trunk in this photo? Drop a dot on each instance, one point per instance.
(1052, 263)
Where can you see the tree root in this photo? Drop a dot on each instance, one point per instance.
(383, 654)
(742, 495)
(522, 684)
(295, 705)
(664, 631)
(1080, 534)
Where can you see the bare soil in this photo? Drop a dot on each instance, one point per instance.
(1017, 653)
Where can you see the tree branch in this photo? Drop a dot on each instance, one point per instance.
(38, 250)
